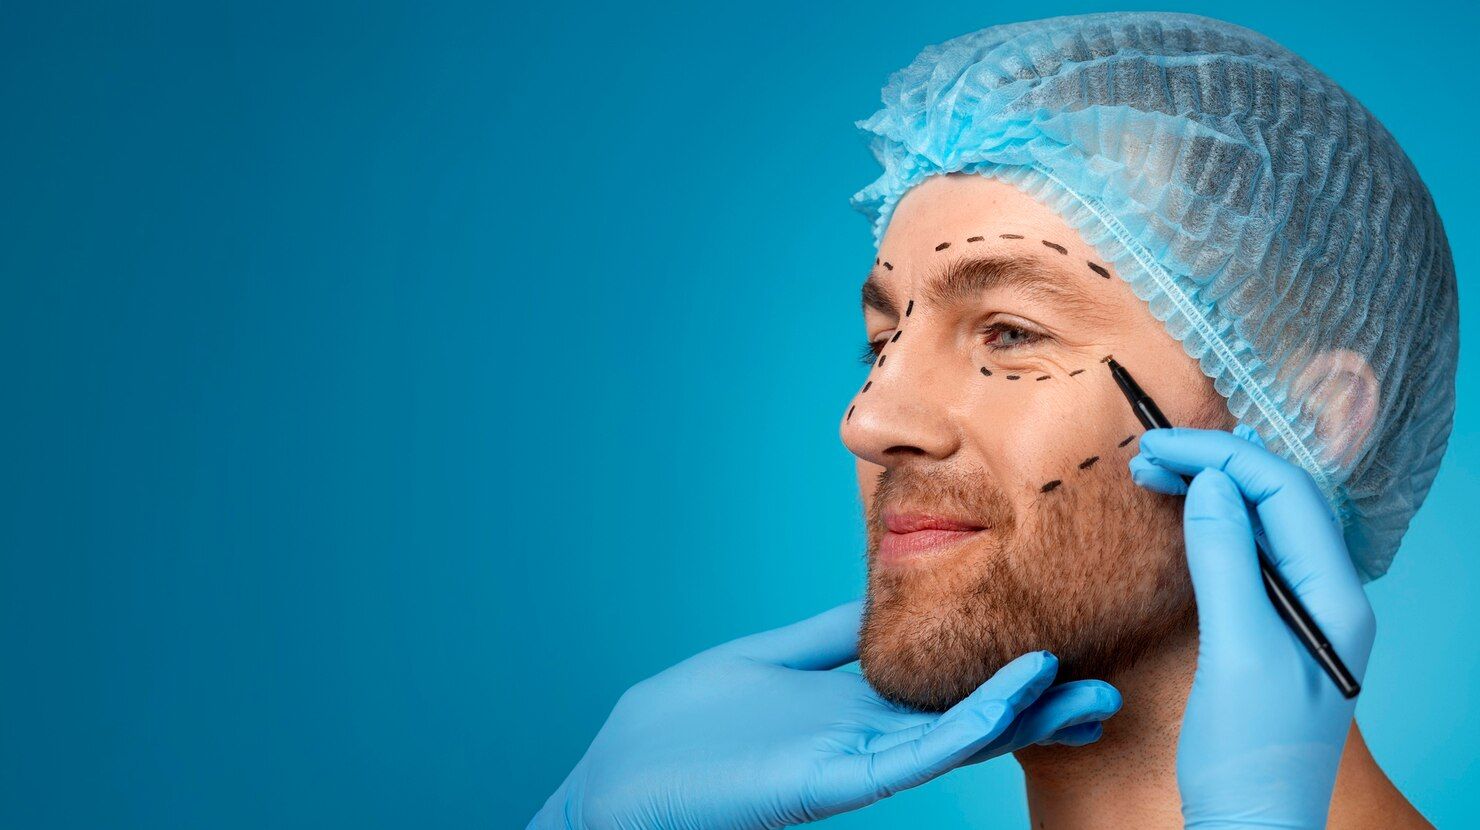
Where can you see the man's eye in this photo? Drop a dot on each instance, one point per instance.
(871, 351)
(1003, 336)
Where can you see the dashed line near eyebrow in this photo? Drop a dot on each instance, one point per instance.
(975, 238)
(1009, 236)
(1088, 462)
(942, 246)
(987, 372)
(1075, 372)
(1128, 439)
(1049, 486)
(1057, 247)
(1099, 269)
(1043, 377)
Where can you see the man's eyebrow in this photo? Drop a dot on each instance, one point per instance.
(967, 278)
(877, 297)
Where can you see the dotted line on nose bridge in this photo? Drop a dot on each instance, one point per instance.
(879, 364)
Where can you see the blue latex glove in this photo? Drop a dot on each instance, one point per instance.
(760, 733)
(1264, 727)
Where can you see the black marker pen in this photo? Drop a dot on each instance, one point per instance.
(1285, 601)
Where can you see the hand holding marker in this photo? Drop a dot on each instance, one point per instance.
(1263, 733)
(1285, 602)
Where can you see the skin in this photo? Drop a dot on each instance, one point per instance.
(1091, 568)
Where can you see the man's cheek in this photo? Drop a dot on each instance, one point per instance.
(1047, 457)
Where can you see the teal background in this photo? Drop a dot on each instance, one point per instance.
(392, 385)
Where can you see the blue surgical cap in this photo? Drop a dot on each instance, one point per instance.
(1265, 216)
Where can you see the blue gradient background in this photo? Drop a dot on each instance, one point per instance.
(392, 386)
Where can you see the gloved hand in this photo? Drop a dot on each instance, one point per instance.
(1264, 727)
(760, 733)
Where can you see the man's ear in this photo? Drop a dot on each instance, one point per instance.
(1340, 388)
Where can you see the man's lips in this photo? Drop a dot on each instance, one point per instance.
(912, 534)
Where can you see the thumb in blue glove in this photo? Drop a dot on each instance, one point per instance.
(1264, 728)
(761, 732)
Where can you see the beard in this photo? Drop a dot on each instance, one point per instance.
(1093, 571)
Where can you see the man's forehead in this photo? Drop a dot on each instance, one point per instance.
(1052, 278)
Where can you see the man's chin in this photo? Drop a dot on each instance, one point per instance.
(927, 656)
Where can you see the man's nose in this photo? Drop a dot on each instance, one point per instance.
(905, 408)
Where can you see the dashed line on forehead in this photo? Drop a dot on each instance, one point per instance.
(1099, 269)
(1054, 245)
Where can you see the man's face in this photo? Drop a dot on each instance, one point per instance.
(992, 446)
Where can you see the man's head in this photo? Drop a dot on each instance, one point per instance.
(991, 408)
(1182, 193)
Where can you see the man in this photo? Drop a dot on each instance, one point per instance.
(992, 454)
(1250, 243)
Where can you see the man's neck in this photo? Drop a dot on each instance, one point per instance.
(1128, 779)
